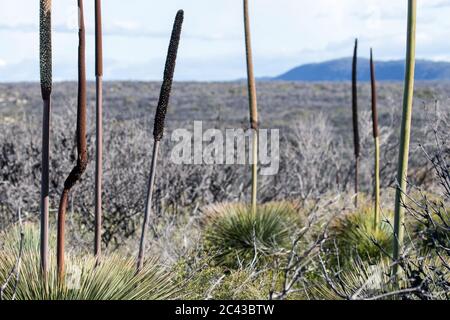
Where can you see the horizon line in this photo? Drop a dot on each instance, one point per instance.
(259, 78)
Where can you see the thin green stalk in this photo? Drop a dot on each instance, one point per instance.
(253, 105)
(376, 137)
(405, 134)
(376, 210)
(45, 35)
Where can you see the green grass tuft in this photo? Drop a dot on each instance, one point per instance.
(354, 235)
(237, 237)
(359, 280)
(113, 279)
(362, 280)
(220, 283)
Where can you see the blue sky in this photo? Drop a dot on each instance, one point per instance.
(286, 33)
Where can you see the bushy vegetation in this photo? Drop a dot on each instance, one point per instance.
(113, 278)
(222, 283)
(363, 280)
(430, 223)
(355, 234)
(237, 236)
(314, 172)
(316, 160)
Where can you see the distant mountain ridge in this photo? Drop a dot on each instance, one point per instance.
(340, 70)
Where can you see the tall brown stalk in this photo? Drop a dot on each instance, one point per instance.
(253, 105)
(45, 35)
(355, 116)
(99, 127)
(81, 164)
(158, 130)
(376, 137)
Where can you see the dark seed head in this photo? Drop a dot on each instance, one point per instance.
(355, 100)
(98, 39)
(376, 132)
(45, 34)
(169, 70)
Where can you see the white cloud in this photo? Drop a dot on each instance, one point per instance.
(2, 63)
(285, 33)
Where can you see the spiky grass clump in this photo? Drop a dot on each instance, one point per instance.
(419, 278)
(114, 278)
(238, 237)
(359, 280)
(354, 235)
(220, 283)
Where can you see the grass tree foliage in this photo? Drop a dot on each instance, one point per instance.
(353, 236)
(237, 236)
(113, 279)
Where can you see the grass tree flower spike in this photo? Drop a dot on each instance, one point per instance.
(356, 140)
(376, 137)
(405, 133)
(81, 164)
(253, 105)
(45, 35)
(99, 127)
(158, 130)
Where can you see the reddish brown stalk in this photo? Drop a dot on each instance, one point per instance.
(99, 128)
(250, 73)
(355, 116)
(81, 164)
